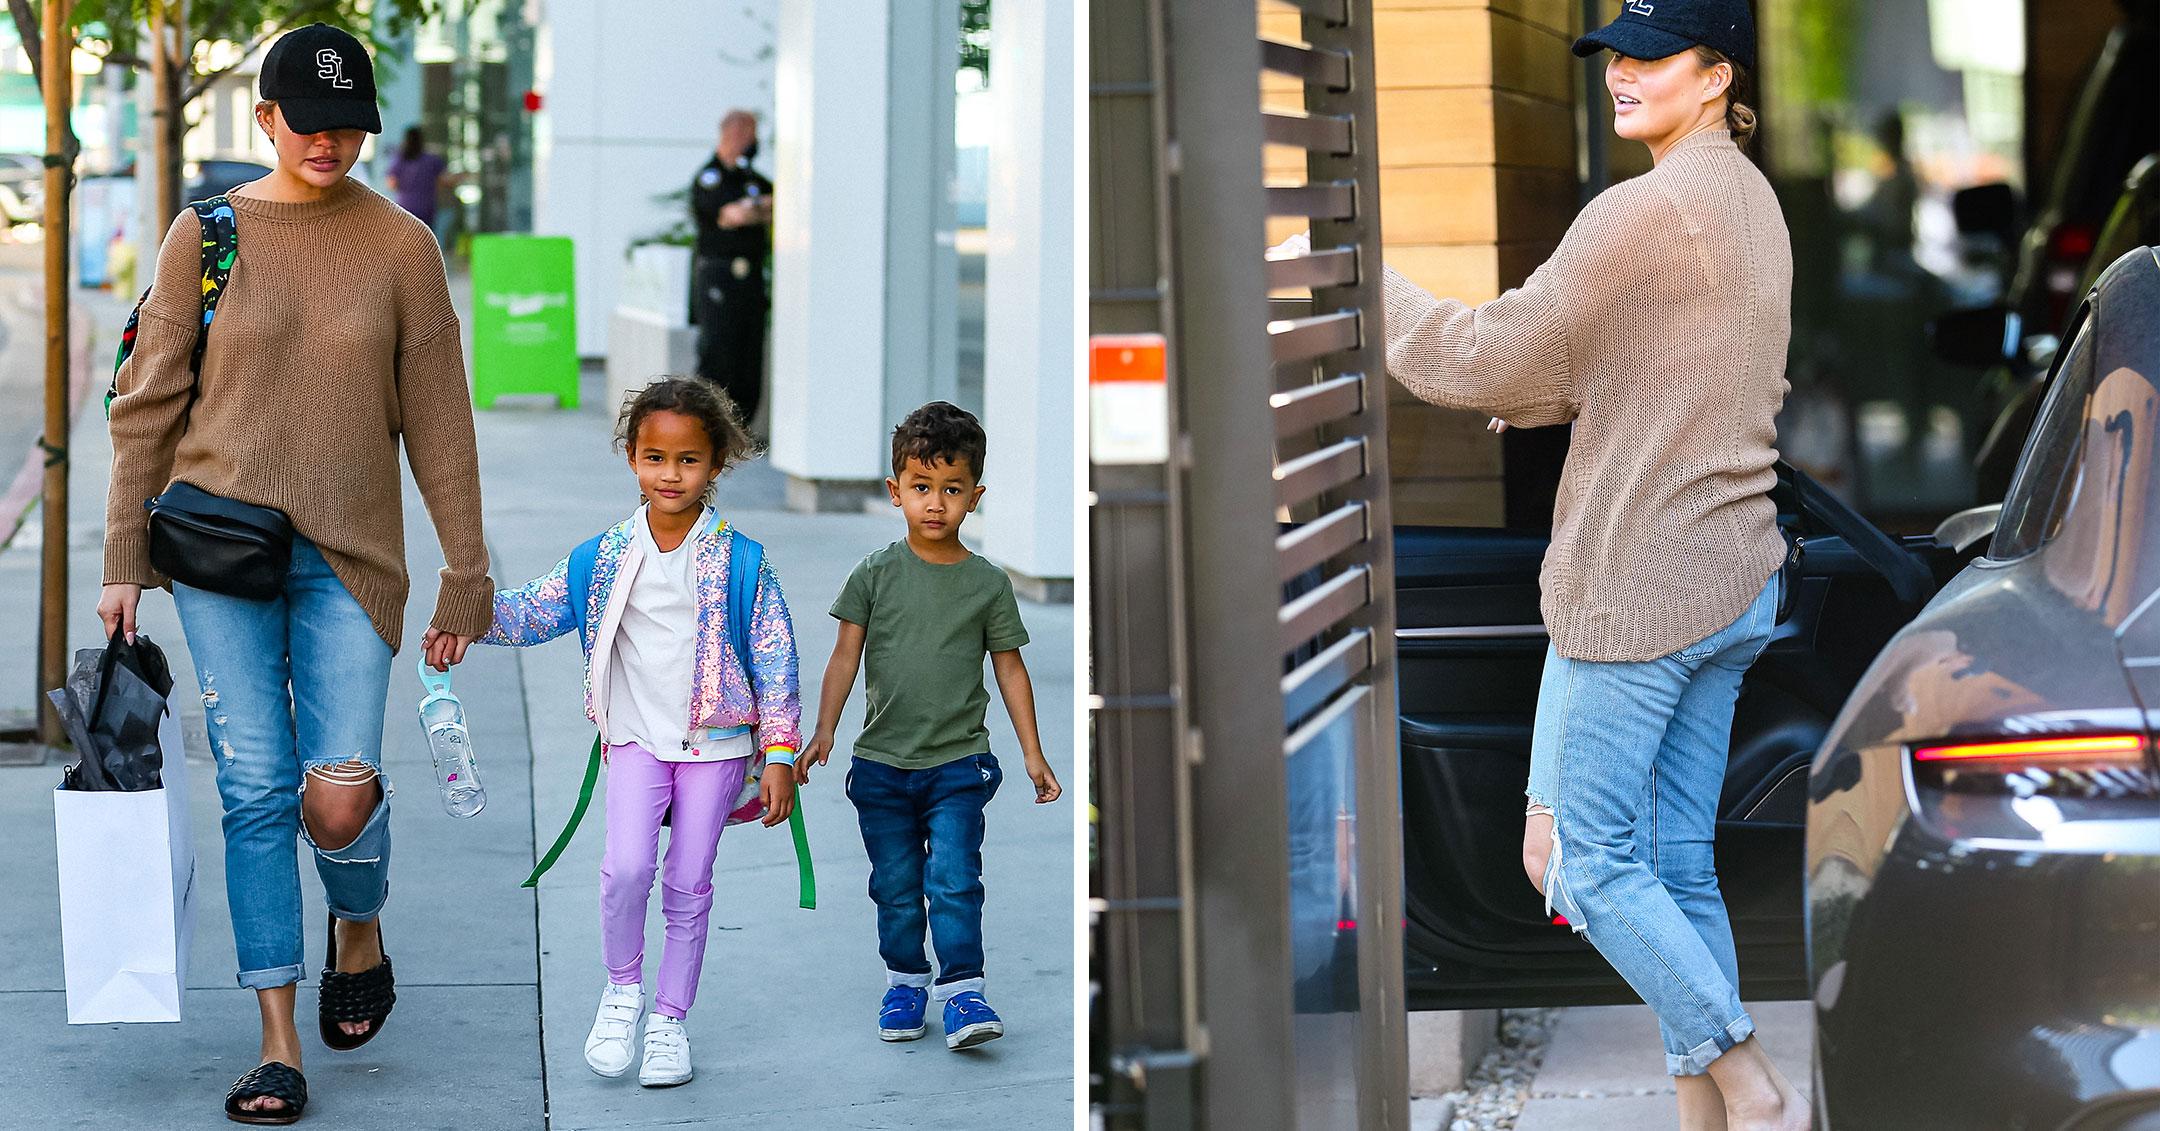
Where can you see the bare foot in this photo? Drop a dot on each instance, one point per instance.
(280, 1043)
(359, 949)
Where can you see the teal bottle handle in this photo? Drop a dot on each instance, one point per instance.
(437, 683)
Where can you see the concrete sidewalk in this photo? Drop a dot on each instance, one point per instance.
(497, 984)
(1603, 1070)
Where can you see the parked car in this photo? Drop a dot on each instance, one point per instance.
(220, 175)
(1983, 833)
(2113, 123)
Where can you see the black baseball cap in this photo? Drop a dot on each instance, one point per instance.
(322, 78)
(1653, 29)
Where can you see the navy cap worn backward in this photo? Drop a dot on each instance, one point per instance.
(1653, 29)
(322, 78)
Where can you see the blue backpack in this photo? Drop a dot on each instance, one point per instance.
(745, 557)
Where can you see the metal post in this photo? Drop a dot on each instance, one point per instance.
(59, 82)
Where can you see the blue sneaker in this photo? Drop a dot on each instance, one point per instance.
(969, 1021)
(900, 1016)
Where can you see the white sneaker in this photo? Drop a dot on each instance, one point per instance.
(607, 1049)
(667, 1053)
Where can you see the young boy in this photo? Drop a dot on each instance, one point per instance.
(925, 610)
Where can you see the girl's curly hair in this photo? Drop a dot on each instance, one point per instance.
(698, 399)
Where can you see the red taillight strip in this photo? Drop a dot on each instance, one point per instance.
(2085, 745)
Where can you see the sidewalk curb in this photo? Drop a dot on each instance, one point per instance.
(29, 481)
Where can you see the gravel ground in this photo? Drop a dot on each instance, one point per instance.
(1497, 1090)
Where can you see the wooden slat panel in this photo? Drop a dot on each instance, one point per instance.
(1431, 47)
(1439, 204)
(1427, 441)
(1436, 127)
(1537, 204)
(1528, 131)
(1466, 272)
(1532, 60)
(1448, 502)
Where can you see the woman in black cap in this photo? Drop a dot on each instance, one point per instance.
(1658, 329)
(333, 340)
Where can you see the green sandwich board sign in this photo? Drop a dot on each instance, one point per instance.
(524, 318)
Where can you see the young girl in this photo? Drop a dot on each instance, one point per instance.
(680, 717)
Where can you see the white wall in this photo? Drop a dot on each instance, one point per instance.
(630, 108)
(829, 179)
(1031, 343)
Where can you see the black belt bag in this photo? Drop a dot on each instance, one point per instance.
(214, 543)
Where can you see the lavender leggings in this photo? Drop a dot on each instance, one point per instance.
(640, 789)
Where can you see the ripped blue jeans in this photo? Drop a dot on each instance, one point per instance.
(288, 686)
(1629, 758)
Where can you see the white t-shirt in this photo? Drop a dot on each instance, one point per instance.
(655, 655)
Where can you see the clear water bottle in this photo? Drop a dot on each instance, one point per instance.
(442, 719)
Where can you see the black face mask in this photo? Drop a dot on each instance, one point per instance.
(750, 154)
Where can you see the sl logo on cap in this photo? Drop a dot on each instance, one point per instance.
(1642, 7)
(330, 65)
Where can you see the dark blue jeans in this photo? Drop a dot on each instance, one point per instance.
(923, 830)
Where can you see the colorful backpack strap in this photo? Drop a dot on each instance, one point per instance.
(582, 562)
(745, 560)
(220, 248)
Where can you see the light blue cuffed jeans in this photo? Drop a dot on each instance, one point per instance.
(289, 685)
(1630, 760)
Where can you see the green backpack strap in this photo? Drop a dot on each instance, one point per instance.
(220, 248)
(584, 800)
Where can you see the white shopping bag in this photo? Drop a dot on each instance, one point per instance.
(127, 894)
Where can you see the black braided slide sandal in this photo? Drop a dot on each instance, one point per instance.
(366, 996)
(272, 1080)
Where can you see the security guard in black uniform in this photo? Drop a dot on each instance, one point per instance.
(732, 205)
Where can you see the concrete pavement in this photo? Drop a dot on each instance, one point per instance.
(1603, 1070)
(498, 984)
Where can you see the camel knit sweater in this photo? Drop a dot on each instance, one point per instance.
(1659, 327)
(334, 338)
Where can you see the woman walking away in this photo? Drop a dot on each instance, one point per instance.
(333, 338)
(1659, 329)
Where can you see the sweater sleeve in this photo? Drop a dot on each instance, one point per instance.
(150, 414)
(436, 409)
(1505, 358)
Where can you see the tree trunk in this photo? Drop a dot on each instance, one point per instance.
(167, 47)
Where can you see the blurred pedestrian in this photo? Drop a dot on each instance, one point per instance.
(1659, 330)
(335, 345)
(418, 177)
(731, 204)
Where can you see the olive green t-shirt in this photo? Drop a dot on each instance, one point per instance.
(926, 629)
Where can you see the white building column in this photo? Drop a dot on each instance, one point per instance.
(830, 108)
(1031, 346)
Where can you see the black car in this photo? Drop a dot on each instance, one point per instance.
(1983, 855)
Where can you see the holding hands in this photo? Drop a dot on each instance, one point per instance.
(444, 648)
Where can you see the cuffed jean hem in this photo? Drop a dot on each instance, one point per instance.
(956, 987)
(1696, 1061)
(270, 979)
(912, 981)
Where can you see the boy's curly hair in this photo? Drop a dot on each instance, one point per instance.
(698, 399)
(937, 431)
